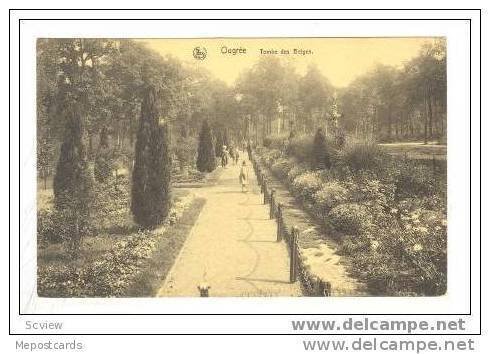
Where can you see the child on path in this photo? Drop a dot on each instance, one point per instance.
(224, 156)
(243, 177)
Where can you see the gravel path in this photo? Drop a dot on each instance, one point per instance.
(232, 246)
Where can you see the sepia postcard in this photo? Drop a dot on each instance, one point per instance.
(241, 167)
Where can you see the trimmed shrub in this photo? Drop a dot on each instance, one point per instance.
(282, 167)
(350, 218)
(307, 184)
(329, 196)
(295, 172)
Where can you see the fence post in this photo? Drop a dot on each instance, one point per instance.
(272, 207)
(325, 288)
(279, 222)
(265, 191)
(293, 265)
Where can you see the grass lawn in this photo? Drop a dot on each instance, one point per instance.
(417, 151)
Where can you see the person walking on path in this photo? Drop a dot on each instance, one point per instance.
(224, 156)
(236, 155)
(243, 177)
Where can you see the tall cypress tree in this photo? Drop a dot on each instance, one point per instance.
(206, 161)
(160, 175)
(219, 143)
(320, 154)
(73, 182)
(152, 167)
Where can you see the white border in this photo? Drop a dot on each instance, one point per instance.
(457, 33)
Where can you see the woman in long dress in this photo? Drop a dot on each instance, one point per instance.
(243, 177)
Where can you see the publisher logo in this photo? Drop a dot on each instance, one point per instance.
(199, 53)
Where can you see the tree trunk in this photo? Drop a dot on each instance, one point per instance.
(390, 123)
(425, 121)
(90, 144)
(429, 106)
(131, 132)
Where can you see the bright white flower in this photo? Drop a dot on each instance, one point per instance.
(417, 247)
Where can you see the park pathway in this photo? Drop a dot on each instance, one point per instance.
(232, 246)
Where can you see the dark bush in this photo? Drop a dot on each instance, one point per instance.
(350, 218)
(276, 141)
(362, 156)
(301, 147)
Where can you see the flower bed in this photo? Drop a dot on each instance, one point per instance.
(390, 223)
(113, 272)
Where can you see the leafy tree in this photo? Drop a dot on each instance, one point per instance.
(73, 182)
(152, 166)
(206, 161)
(391, 103)
(267, 86)
(315, 96)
